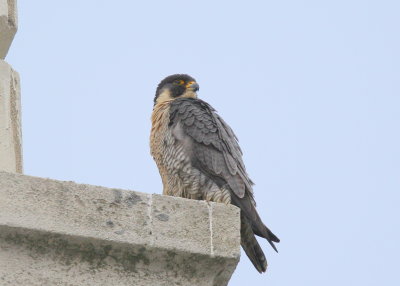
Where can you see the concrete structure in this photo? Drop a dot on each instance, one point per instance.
(10, 119)
(8, 25)
(62, 233)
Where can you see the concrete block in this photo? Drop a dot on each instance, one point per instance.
(62, 233)
(10, 120)
(8, 25)
(223, 222)
(194, 231)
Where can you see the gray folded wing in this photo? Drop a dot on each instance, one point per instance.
(214, 147)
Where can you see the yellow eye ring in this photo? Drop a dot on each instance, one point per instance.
(179, 82)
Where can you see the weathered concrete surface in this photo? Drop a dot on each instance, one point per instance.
(8, 25)
(62, 233)
(10, 120)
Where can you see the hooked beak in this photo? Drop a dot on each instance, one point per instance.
(193, 86)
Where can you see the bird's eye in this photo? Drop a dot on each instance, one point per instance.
(179, 82)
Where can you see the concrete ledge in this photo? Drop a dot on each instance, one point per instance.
(8, 25)
(10, 120)
(62, 233)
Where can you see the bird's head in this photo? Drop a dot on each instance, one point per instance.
(175, 86)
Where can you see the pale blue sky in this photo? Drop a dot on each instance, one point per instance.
(311, 88)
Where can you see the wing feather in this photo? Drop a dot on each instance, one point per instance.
(215, 146)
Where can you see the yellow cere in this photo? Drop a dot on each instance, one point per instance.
(190, 83)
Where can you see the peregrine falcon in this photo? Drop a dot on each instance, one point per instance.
(198, 157)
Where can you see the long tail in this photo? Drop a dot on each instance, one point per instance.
(259, 228)
(251, 246)
(251, 225)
